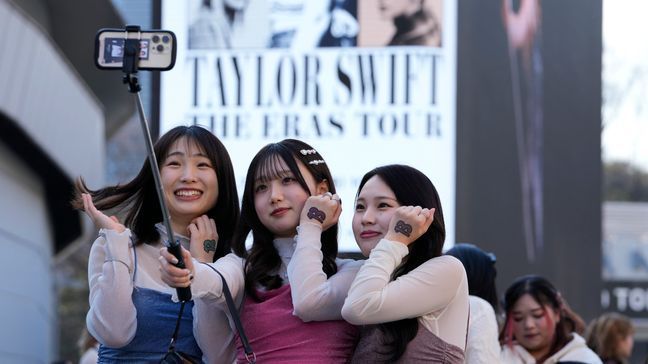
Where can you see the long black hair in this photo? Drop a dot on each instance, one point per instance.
(411, 188)
(139, 199)
(262, 260)
(481, 272)
(545, 294)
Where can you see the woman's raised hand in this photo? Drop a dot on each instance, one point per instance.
(322, 209)
(409, 223)
(203, 238)
(101, 220)
(172, 275)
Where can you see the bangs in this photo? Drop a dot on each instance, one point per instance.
(192, 141)
(189, 142)
(273, 166)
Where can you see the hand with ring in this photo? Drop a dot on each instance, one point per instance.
(323, 209)
(408, 223)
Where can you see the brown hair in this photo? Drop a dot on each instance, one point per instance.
(605, 332)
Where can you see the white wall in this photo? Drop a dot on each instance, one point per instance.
(47, 99)
(27, 308)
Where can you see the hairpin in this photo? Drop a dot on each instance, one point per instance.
(316, 162)
(307, 151)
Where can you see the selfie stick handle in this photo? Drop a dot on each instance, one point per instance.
(131, 55)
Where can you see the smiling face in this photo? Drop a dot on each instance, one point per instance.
(534, 325)
(279, 198)
(190, 183)
(374, 209)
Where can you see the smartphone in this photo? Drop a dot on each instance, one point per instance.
(157, 48)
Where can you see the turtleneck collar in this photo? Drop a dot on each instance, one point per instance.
(161, 228)
(285, 246)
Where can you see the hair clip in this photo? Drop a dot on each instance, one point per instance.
(316, 162)
(307, 151)
(492, 257)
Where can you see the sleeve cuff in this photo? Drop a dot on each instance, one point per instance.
(310, 234)
(117, 244)
(387, 250)
(393, 246)
(204, 280)
(309, 228)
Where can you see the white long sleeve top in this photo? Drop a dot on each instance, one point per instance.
(483, 345)
(315, 297)
(436, 293)
(112, 317)
(575, 350)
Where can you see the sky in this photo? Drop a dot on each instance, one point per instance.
(625, 82)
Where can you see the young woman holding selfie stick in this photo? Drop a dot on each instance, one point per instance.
(131, 312)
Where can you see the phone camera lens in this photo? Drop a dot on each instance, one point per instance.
(156, 39)
(159, 47)
(165, 39)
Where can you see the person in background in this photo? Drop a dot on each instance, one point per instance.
(540, 328)
(413, 300)
(611, 337)
(131, 311)
(482, 345)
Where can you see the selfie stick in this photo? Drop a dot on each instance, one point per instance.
(129, 67)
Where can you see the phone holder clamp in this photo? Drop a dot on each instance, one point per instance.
(131, 57)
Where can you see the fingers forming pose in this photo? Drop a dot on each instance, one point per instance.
(100, 220)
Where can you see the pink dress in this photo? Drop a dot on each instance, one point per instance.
(277, 336)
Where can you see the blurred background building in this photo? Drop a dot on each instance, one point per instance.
(56, 112)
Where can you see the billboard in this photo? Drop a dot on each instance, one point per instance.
(365, 82)
(529, 141)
